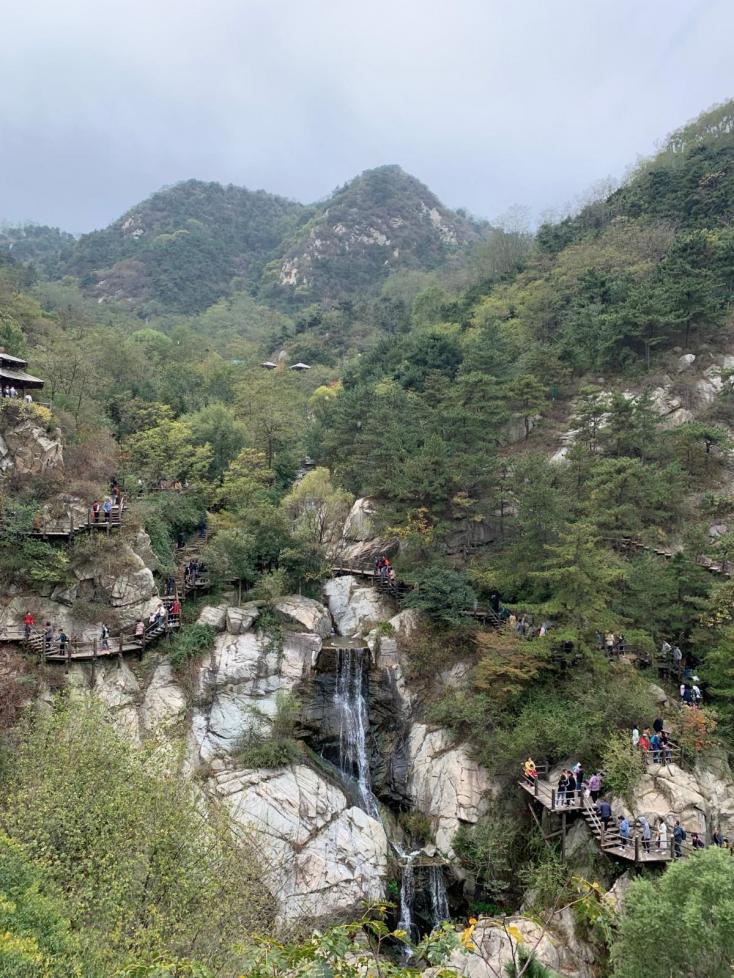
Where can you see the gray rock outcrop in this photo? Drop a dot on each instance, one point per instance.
(323, 858)
(355, 608)
(238, 689)
(306, 612)
(445, 783)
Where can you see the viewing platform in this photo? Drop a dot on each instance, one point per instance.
(634, 850)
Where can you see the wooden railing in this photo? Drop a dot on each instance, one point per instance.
(71, 523)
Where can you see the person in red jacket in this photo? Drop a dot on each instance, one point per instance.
(28, 623)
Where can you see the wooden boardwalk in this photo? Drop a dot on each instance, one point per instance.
(124, 644)
(73, 523)
(398, 589)
(607, 838)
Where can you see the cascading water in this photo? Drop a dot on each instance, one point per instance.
(350, 702)
(407, 896)
(351, 706)
(438, 895)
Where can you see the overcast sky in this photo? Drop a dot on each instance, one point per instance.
(490, 102)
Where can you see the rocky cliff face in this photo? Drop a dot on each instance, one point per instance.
(26, 445)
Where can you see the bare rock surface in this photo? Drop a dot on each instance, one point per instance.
(445, 783)
(306, 612)
(323, 858)
(239, 687)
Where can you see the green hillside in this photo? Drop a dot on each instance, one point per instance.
(382, 221)
(192, 244)
(180, 250)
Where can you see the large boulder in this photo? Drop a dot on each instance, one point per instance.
(307, 612)
(26, 447)
(240, 620)
(323, 858)
(238, 689)
(355, 608)
(445, 783)
(702, 799)
(495, 945)
(360, 524)
(215, 616)
(360, 540)
(164, 704)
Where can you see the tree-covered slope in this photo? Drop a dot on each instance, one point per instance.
(47, 248)
(382, 221)
(180, 249)
(190, 245)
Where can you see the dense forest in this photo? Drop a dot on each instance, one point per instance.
(548, 417)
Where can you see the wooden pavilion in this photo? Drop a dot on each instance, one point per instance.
(13, 374)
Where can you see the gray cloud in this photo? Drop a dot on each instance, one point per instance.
(490, 102)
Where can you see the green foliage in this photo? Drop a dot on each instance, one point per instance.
(269, 741)
(36, 937)
(351, 951)
(488, 851)
(190, 643)
(441, 594)
(622, 763)
(680, 921)
(143, 872)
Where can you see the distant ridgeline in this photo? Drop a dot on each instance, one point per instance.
(191, 244)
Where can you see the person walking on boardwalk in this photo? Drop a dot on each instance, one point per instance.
(679, 837)
(63, 641)
(562, 788)
(28, 623)
(107, 509)
(595, 786)
(104, 637)
(139, 629)
(570, 788)
(661, 837)
(624, 829)
(96, 506)
(646, 833)
(529, 769)
(605, 813)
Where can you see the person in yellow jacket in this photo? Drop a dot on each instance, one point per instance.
(529, 769)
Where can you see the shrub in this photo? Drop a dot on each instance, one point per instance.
(121, 831)
(190, 643)
(694, 729)
(442, 594)
(623, 764)
(273, 747)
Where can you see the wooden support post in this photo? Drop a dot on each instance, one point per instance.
(537, 822)
(563, 836)
(67, 663)
(637, 850)
(553, 798)
(94, 663)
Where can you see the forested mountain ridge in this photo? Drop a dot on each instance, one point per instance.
(189, 245)
(48, 249)
(180, 249)
(383, 220)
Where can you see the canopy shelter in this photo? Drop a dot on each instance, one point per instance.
(18, 378)
(12, 363)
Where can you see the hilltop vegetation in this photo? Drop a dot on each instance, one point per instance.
(195, 243)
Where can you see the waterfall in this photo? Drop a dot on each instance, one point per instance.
(439, 898)
(407, 896)
(350, 703)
